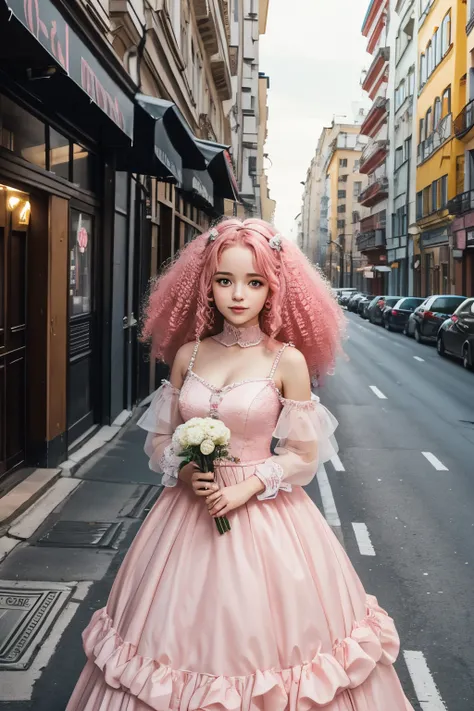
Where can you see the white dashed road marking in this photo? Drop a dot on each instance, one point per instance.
(329, 505)
(337, 464)
(434, 461)
(421, 360)
(377, 392)
(362, 535)
(425, 687)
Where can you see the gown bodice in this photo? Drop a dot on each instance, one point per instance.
(249, 408)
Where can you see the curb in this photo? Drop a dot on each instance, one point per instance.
(31, 514)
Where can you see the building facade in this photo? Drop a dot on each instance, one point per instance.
(113, 155)
(440, 154)
(375, 228)
(401, 162)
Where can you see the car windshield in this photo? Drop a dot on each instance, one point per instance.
(447, 304)
(410, 303)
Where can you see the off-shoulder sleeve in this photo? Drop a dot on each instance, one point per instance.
(305, 440)
(160, 421)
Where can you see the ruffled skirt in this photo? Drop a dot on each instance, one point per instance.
(268, 617)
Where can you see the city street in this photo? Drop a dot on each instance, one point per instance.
(400, 496)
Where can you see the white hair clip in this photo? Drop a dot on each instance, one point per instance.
(213, 234)
(276, 242)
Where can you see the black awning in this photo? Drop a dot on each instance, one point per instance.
(199, 185)
(152, 152)
(220, 169)
(177, 129)
(41, 52)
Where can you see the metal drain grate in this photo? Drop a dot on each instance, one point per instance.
(82, 534)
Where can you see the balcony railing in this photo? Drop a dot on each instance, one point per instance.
(465, 121)
(376, 191)
(435, 140)
(374, 239)
(462, 203)
(371, 150)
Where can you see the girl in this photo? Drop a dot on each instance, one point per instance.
(270, 616)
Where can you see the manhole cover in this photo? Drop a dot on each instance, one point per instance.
(27, 611)
(81, 534)
(145, 503)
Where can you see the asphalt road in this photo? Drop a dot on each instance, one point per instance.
(417, 509)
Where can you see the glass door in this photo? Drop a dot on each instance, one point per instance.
(83, 394)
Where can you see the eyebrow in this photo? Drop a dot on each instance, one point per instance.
(252, 274)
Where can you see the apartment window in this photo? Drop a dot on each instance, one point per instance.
(421, 130)
(446, 102)
(407, 148)
(430, 65)
(357, 188)
(341, 224)
(434, 195)
(341, 194)
(174, 11)
(459, 174)
(428, 126)
(356, 166)
(252, 165)
(343, 178)
(419, 205)
(355, 217)
(411, 82)
(343, 162)
(341, 209)
(423, 73)
(400, 95)
(438, 50)
(443, 191)
(398, 157)
(446, 33)
(426, 200)
(437, 112)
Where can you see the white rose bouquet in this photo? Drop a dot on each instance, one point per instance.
(203, 440)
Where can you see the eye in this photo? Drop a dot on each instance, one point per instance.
(255, 283)
(223, 281)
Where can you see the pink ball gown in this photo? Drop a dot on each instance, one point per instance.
(268, 617)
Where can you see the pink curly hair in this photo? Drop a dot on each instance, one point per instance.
(303, 310)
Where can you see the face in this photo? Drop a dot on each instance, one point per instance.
(239, 290)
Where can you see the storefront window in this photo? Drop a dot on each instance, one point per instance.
(22, 133)
(59, 154)
(80, 261)
(83, 168)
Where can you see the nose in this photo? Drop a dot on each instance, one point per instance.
(237, 293)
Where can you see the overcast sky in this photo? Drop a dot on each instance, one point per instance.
(314, 53)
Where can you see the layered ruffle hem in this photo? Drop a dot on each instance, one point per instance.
(373, 641)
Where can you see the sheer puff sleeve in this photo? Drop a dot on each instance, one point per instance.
(305, 440)
(160, 421)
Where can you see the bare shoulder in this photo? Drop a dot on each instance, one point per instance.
(181, 363)
(295, 379)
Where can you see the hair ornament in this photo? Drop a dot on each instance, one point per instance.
(213, 235)
(276, 242)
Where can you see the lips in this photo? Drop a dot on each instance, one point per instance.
(238, 309)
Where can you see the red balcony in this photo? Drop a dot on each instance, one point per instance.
(377, 73)
(370, 16)
(374, 222)
(375, 118)
(374, 193)
(373, 156)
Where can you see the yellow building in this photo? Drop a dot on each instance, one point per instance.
(345, 185)
(440, 155)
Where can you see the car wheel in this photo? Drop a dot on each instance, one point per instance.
(388, 326)
(405, 330)
(466, 358)
(440, 346)
(418, 337)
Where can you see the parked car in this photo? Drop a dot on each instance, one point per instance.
(409, 329)
(372, 305)
(344, 294)
(428, 317)
(456, 335)
(353, 302)
(395, 317)
(377, 309)
(363, 305)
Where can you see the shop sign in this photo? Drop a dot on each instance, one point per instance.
(433, 237)
(47, 24)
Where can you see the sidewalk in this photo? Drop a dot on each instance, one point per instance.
(52, 583)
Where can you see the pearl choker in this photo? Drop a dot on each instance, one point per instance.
(243, 337)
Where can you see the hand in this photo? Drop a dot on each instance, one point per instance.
(231, 497)
(202, 483)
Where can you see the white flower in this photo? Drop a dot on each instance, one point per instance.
(207, 447)
(195, 435)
